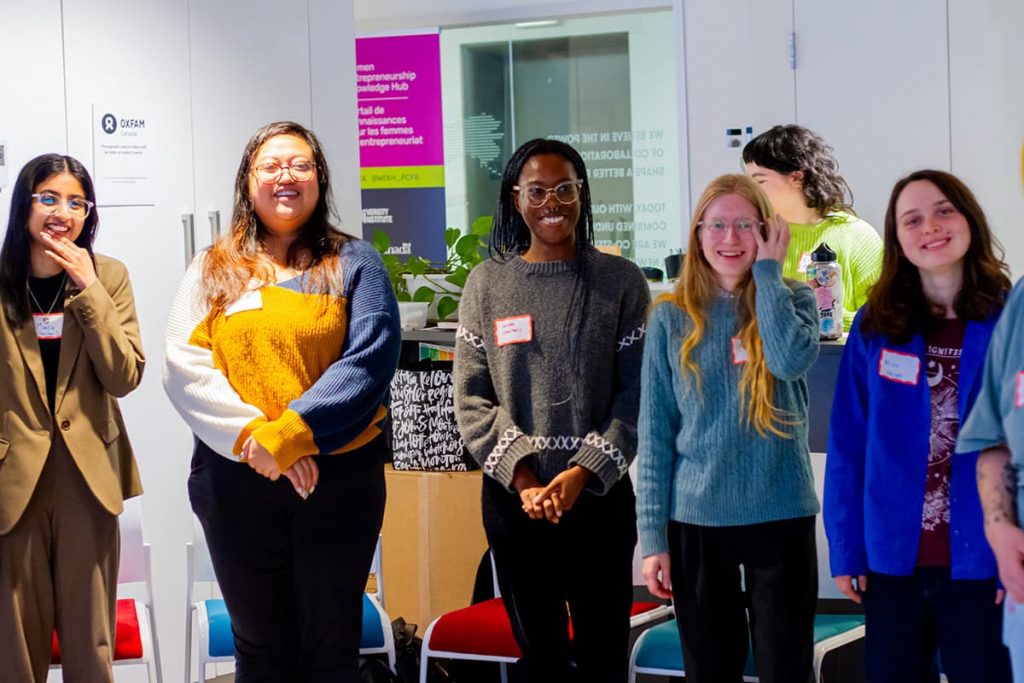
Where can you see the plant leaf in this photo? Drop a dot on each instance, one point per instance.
(466, 247)
(482, 226)
(381, 242)
(446, 305)
(424, 294)
(458, 277)
(416, 265)
(451, 235)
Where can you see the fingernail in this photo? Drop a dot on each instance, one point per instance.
(311, 490)
(304, 493)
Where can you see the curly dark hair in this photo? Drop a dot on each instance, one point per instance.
(897, 307)
(785, 149)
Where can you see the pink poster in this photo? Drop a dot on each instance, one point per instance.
(398, 79)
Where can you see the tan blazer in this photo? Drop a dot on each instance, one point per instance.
(100, 359)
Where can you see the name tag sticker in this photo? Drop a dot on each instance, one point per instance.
(250, 301)
(49, 326)
(515, 330)
(904, 368)
(1018, 395)
(805, 260)
(739, 354)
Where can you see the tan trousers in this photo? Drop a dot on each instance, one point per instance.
(58, 569)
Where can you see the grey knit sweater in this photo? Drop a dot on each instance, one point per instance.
(516, 392)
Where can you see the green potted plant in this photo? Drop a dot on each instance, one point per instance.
(439, 286)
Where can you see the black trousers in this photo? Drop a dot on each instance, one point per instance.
(584, 562)
(292, 571)
(909, 618)
(779, 562)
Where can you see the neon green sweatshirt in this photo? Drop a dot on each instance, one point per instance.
(858, 249)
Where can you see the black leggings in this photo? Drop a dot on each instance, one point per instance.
(586, 561)
(292, 571)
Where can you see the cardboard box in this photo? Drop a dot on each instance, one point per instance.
(433, 539)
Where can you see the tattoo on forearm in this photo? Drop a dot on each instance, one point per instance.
(997, 496)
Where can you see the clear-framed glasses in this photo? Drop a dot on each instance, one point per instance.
(741, 225)
(536, 195)
(271, 172)
(48, 203)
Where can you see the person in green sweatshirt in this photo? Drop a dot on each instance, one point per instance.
(797, 170)
(724, 477)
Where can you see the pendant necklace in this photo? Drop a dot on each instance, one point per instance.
(60, 290)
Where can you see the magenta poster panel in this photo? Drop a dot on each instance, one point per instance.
(398, 79)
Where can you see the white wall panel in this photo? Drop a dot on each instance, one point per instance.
(737, 75)
(32, 118)
(872, 80)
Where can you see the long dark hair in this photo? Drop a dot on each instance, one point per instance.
(786, 149)
(897, 307)
(15, 256)
(235, 259)
(510, 235)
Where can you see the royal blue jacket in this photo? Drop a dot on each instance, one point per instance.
(877, 461)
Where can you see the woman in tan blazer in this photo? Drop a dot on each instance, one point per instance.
(69, 346)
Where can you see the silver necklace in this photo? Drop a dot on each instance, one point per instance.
(60, 290)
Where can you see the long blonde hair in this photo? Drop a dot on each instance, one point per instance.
(697, 289)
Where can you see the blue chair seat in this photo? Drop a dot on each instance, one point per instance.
(659, 648)
(222, 643)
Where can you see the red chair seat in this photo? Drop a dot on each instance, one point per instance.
(480, 629)
(127, 637)
(484, 629)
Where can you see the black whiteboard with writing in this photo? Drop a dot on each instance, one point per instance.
(424, 435)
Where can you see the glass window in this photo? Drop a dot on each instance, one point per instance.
(606, 85)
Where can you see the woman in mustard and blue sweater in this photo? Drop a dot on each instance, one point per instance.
(902, 513)
(725, 477)
(280, 348)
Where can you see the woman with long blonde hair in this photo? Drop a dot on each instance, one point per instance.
(725, 478)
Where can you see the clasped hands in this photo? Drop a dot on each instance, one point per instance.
(303, 475)
(552, 501)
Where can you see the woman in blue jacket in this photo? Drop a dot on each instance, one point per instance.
(902, 514)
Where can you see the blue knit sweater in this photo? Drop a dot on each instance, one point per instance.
(698, 462)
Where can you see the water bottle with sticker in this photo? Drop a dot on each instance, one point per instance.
(825, 276)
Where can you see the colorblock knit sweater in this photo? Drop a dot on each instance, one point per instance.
(699, 463)
(303, 373)
(858, 250)
(516, 395)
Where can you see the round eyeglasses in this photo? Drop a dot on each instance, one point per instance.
(740, 225)
(50, 204)
(270, 172)
(536, 195)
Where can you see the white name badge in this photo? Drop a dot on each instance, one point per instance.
(1018, 396)
(250, 301)
(739, 354)
(805, 260)
(515, 330)
(49, 326)
(899, 367)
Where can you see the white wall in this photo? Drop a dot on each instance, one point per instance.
(987, 112)
(116, 55)
(391, 15)
(167, 59)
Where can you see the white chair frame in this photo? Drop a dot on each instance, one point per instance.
(135, 582)
(199, 569)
